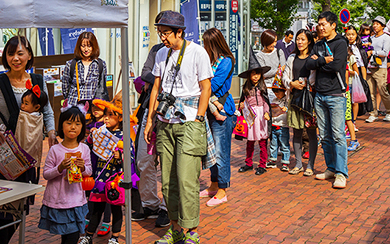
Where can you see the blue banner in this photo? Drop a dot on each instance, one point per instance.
(190, 11)
(69, 38)
(42, 40)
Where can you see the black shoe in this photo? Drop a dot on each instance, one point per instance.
(148, 213)
(162, 219)
(260, 171)
(382, 113)
(270, 164)
(245, 168)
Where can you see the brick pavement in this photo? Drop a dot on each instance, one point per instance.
(281, 208)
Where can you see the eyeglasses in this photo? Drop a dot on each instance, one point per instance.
(165, 34)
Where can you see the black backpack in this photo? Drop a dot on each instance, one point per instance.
(101, 90)
(10, 100)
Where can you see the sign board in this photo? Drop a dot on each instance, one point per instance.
(234, 6)
(345, 16)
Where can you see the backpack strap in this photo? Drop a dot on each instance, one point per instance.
(100, 61)
(72, 68)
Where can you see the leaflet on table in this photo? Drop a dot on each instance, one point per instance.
(14, 161)
(4, 189)
(248, 113)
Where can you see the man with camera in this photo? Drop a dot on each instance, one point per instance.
(180, 98)
(377, 68)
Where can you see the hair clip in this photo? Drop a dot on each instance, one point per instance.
(35, 89)
(83, 108)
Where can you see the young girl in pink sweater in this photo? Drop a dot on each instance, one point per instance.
(64, 204)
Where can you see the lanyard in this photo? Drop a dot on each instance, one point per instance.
(178, 64)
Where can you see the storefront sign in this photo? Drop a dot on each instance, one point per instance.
(234, 6)
(233, 37)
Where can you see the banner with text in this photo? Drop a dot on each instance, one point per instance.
(190, 11)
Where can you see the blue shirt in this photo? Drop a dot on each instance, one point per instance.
(219, 80)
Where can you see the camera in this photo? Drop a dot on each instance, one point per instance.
(166, 100)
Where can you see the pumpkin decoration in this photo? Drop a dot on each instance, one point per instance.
(88, 183)
(241, 129)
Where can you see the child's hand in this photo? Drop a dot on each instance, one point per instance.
(65, 164)
(242, 106)
(92, 129)
(266, 116)
(284, 109)
(117, 155)
(80, 163)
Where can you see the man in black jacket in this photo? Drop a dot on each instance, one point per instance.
(329, 59)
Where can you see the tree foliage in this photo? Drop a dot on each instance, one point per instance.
(277, 15)
(379, 7)
(356, 9)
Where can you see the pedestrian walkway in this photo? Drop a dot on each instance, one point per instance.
(281, 208)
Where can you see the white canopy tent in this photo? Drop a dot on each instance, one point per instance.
(81, 14)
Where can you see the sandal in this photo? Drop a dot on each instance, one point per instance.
(295, 171)
(308, 172)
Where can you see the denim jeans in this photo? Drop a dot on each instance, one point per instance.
(280, 139)
(222, 134)
(330, 111)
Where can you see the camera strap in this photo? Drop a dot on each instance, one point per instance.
(178, 64)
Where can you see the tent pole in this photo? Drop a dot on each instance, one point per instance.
(126, 128)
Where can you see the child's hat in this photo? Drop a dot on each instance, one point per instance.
(278, 84)
(253, 65)
(114, 105)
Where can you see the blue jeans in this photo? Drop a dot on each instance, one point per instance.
(330, 111)
(222, 134)
(280, 139)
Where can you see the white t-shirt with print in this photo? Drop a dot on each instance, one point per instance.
(195, 67)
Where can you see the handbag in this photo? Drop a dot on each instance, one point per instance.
(358, 95)
(302, 100)
(115, 195)
(376, 61)
(241, 129)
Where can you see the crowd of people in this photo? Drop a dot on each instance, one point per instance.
(187, 115)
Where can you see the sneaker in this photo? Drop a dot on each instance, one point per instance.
(245, 168)
(284, 167)
(113, 240)
(192, 238)
(104, 230)
(85, 240)
(371, 119)
(387, 118)
(260, 171)
(306, 155)
(340, 182)
(353, 145)
(354, 126)
(162, 219)
(348, 136)
(172, 237)
(148, 213)
(326, 175)
(270, 164)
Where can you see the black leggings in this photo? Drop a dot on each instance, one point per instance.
(71, 238)
(97, 212)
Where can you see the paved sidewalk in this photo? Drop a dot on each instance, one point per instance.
(281, 208)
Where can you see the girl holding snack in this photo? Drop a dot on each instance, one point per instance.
(104, 170)
(64, 204)
(255, 94)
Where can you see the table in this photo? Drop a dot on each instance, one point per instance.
(17, 196)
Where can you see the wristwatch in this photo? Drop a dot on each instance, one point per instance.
(200, 118)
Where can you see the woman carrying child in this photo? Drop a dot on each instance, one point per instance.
(222, 121)
(295, 77)
(255, 95)
(64, 204)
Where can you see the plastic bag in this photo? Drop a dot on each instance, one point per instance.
(358, 94)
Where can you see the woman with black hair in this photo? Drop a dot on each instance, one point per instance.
(295, 77)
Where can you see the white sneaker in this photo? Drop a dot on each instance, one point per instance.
(372, 119)
(340, 182)
(387, 118)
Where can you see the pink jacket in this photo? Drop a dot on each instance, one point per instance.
(59, 193)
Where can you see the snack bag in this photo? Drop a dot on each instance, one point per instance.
(73, 174)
